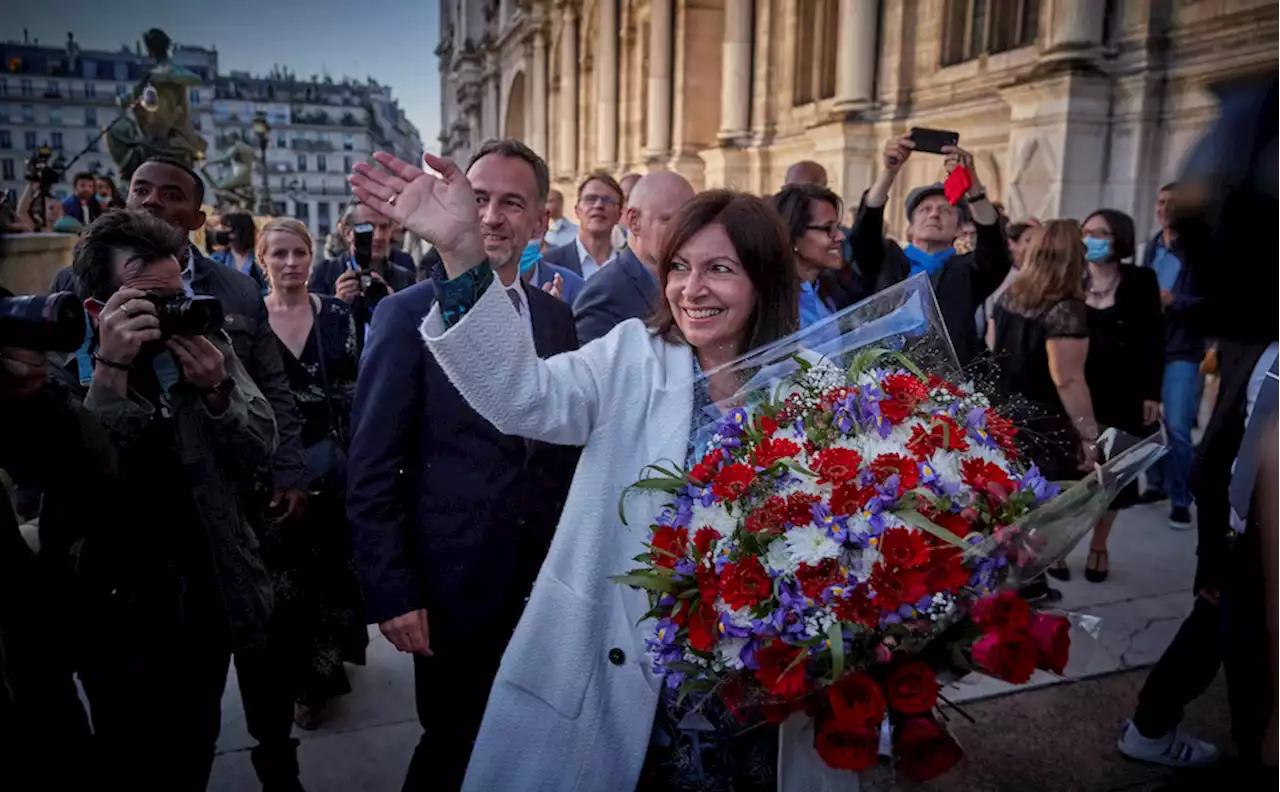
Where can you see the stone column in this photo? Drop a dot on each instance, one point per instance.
(607, 86)
(735, 91)
(568, 94)
(538, 138)
(1075, 29)
(660, 57)
(856, 54)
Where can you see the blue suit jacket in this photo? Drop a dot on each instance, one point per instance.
(71, 208)
(618, 292)
(546, 273)
(565, 256)
(446, 512)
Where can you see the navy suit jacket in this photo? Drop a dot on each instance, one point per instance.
(71, 208)
(565, 256)
(545, 273)
(446, 512)
(618, 292)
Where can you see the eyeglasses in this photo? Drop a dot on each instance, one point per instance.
(592, 200)
(831, 229)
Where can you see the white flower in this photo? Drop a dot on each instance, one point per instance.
(777, 557)
(946, 466)
(714, 516)
(728, 651)
(992, 455)
(811, 545)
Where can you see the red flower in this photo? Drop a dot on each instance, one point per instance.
(912, 688)
(1001, 430)
(1001, 612)
(702, 626)
(925, 749)
(816, 579)
(944, 435)
(1009, 655)
(856, 701)
(705, 539)
(733, 481)
(946, 570)
(768, 518)
(902, 547)
(708, 583)
(745, 583)
(669, 545)
(766, 425)
(773, 672)
(848, 499)
(705, 471)
(836, 465)
(898, 587)
(986, 477)
(845, 747)
(936, 383)
(769, 451)
(902, 393)
(857, 608)
(800, 508)
(1053, 643)
(907, 471)
(953, 522)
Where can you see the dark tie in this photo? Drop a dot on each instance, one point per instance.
(515, 300)
(1245, 475)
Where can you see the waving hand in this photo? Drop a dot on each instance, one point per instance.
(440, 209)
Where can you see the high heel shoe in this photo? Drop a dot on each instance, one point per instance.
(1093, 573)
(1060, 571)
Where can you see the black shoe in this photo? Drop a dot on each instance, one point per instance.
(1062, 573)
(1153, 496)
(1094, 574)
(1038, 591)
(1180, 518)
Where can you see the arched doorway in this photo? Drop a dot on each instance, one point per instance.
(515, 125)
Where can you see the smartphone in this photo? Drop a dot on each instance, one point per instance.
(933, 140)
(364, 245)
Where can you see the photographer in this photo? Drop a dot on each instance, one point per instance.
(168, 571)
(38, 210)
(368, 271)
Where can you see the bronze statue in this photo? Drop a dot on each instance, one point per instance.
(160, 125)
(235, 192)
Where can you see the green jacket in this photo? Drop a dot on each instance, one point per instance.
(212, 448)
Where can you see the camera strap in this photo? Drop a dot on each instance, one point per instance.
(84, 355)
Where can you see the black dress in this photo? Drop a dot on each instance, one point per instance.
(1126, 358)
(1045, 434)
(319, 608)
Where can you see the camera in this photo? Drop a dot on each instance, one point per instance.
(42, 323)
(181, 315)
(40, 170)
(370, 287)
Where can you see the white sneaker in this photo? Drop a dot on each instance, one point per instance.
(1175, 749)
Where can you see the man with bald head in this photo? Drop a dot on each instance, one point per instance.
(628, 288)
(806, 172)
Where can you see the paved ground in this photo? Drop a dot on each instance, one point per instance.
(1054, 735)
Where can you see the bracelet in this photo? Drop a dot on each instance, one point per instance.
(112, 364)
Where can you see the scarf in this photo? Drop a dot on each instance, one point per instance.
(925, 262)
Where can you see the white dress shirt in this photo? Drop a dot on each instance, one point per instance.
(589, 265)
(521, 301)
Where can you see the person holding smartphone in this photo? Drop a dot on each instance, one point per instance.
(962, 281)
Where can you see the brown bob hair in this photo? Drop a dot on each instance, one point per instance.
(760, 239)
(1053, 267)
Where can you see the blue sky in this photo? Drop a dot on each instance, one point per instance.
(392, 41)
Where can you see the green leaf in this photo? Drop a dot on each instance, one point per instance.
(913, 517)
(835, 636)
(659, 483)
(802, 363)
(647, 582)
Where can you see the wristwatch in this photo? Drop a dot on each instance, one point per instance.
(221, 388)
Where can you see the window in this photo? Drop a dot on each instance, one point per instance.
(90, 90)
(55, 141)
(322, 217)
(6, 140)
(282, 140)
(195, 96)
(122, 71)
(55, 116)
(6, 169)
(26, 88)
(980, 27)
(302, 163)
(28, 114)
(4, 114)
(280, 209)
(322, 164)
(29, 141)
(91, 116)
(348, 143)
(815, 76)
(347, 165)
(51, 89)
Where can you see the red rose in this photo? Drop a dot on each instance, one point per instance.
(849, 499)
(705, 539)
(777, 673)
(925, 749)
(907, 471)
(745, 583)
(800, 508)
(856, 701)
(1001, 430)
(856, 608)
(1003, 611)
(946, 571)
(669, 545)
(1053, 642)
(733, 481)
(703, 621)
(897, 587)
(912, 688)
(845, 747)
(902, 547)
(837, 465)
(769, 451)
(1009, 655)
(816, 579)
(987, 478)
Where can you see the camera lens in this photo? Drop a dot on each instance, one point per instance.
(53, 323)
(180, 315)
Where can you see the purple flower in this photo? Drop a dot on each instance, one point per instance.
(890, 618)
(674, 679)
(837, 527)
(748, 653)
(844, 421)
(727, 627)
(925, 603)
(1042, 490)
(734, 423)
(686, 567)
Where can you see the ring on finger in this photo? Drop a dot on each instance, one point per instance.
(392, 200)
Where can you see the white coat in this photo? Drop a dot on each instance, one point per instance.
(572, 706)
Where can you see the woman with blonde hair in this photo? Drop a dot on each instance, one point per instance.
(1041, 344)
(319, 610)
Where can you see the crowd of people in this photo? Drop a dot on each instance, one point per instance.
(437, 445)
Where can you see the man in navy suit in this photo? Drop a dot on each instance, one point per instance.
(82, 204)
(629, 287)
(451, 519)
(599, 208)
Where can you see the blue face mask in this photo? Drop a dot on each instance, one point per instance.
(1097, 249)
(529, 258)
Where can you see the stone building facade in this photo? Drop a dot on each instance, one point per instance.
(1067, 104)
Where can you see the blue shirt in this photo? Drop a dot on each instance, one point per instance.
(1166, 264)
(812, 308)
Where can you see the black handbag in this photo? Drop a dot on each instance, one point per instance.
(326, 458)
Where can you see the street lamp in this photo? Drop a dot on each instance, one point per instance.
(261, 128)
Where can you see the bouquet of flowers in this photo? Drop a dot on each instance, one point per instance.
(843, 536)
